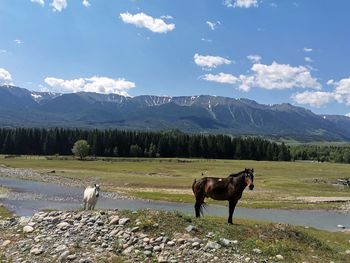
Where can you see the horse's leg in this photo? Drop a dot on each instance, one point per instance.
(232, 206)
(84, 205)
(198, 205)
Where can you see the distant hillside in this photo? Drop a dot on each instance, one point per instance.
(206, 114)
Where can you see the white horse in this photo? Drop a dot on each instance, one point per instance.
(91, 195)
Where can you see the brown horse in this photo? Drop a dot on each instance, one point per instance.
(229, 188)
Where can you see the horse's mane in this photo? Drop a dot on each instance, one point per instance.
(237, 174)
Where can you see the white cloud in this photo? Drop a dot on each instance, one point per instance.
(220, 78)
(254, 58)
(5, 77)
(306, 49)
(3, 51)
(241, 3)
(59, 5)
(279, 76)
(308, 59)
(86, 3)
(341, 94)
(18, 41)
(274, 5)
(93, 84)
(313, 98)
(210, 62)
(167, 17)
(213, 25)
(347, 115)
(206, 39)
(156, 25)
(274, 76)
(40, 2)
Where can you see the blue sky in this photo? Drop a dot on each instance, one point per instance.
(269, 51)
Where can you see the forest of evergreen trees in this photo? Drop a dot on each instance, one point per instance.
(110, 143)
(337, 154)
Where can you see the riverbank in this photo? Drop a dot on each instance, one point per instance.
(279, 185)
(156, 236)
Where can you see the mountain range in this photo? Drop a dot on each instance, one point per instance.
(20, 107)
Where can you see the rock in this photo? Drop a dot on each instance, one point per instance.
(85, 260)
(190, 228)
(123, 221)
(135, 229)
(5, 243)
(210, 235)
(347, 252)
(162, 259)
(63, 225)
(235, 242)
(195, 244)
(72, 257)
(28, 229)
(128, 250)
(257, 251)
(147, 253)
(279, 257)
(146, 240)
(157, 248)
(246, 259)
(224, 242)
(170, 243)
(63, 257)
(213, 245)
(114, 220)
(36, 250)
(340, 226)
(60, 248)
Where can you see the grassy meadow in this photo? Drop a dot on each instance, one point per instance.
(284, 185)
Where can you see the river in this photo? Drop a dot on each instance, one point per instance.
(27, 197)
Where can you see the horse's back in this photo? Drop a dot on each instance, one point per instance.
(88, 193)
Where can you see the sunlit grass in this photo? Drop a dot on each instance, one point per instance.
(278, 184)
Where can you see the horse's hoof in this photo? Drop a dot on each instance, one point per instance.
(230, 223)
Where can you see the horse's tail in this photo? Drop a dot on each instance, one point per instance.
(194, 182)
(199, 192)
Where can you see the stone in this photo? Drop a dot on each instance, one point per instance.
(170, 243)
(257, 251)
(114, 220)
(128, 250)
(157, 248)
(347, 252)
(36, 250)
(28, 229)
(279, 257)
(63, 225)
(123, 221)
(225, 242)
(5, 243)
(162, 259)
(147, 253)
(235, 242)
(195, 244)
(340, 226)
(213, 245)
(72, 257)
(63, 257)
(246, 259)
(190, 228)
(60, 248)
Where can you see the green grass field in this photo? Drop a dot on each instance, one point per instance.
(277, 184)
(296, 244)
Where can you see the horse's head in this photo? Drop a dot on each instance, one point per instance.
(249, 178)
(97, 190)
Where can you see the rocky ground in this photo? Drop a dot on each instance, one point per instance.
(107, 236)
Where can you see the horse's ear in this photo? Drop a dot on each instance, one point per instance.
(95, 185)
(245, 170)
(252, 170)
